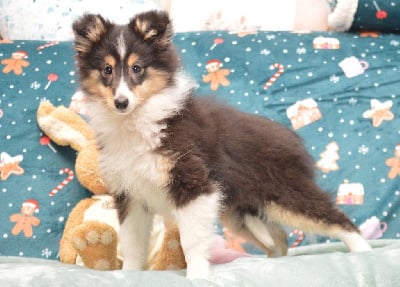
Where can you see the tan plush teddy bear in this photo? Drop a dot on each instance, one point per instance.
(90, 237)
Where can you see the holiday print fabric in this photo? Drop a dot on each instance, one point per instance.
(38, 188)
(340, 92)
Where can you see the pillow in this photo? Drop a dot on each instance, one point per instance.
(284, 15)
(382, 15)
(38, 187)
(52, 20)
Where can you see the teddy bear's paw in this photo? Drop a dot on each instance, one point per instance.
(96, 244)
(102, 264)
(170, 256)
(93, 237)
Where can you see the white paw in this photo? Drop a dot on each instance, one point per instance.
(362, 246)
(198, 269)
(355, 242)
(130, 264)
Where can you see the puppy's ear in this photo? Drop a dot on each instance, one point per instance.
(153, 27)
(89, 30)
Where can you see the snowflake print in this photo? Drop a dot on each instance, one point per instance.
(35, 85)
(265, 52)
(394, 43)
(352, 101)
(271, 37)
(301, 51)
(363, 149)
(334, 79)
(46, 252)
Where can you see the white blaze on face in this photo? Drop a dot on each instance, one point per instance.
(123, 94)
(124, 99)
(121, 46)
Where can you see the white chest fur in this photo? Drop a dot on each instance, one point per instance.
(129, 163)
(129, 160)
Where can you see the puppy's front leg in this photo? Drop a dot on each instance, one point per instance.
(134, 236)
(196, 227)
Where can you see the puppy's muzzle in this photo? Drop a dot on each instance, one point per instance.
(121, 103)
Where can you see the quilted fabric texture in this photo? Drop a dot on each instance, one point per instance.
(339, 91)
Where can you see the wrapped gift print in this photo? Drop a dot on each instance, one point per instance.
(326, 43)
(350, 193)
(303, 113)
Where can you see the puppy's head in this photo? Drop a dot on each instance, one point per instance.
(123, 66)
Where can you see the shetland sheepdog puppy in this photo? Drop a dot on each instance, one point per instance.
(190, 159)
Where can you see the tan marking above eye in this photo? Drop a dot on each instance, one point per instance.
(110, 60)
(132, 59)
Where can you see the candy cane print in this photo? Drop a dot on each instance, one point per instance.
(272, 80)
(299, 239)
(48, 44)
(64, 182)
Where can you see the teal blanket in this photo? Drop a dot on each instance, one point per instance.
(339, 91)
(315, 265)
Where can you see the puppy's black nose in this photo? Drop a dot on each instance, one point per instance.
(121, 103)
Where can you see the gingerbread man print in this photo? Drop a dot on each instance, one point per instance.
(15, 63)
(394, 163)
(216, 76)
(25, 220)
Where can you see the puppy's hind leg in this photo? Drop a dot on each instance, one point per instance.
(266, 235)
(196, 227)
(269, 236)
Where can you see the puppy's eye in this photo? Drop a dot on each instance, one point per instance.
(108, 70)
(136, 69)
